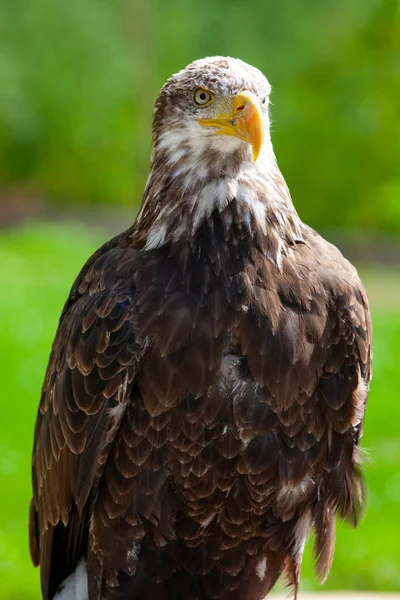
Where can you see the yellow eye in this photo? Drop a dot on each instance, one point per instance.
(202, 97)
(265, 102)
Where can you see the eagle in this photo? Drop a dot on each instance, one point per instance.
(204, 399)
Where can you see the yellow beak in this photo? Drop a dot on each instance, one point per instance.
(245, 121)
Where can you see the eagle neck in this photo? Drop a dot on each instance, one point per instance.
(179, 200)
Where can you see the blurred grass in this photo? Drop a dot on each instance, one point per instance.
(37, 266)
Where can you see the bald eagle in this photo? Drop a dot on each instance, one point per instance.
(205, 393)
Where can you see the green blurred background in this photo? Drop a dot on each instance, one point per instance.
(77, 85)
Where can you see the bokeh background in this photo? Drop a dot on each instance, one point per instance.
(77, 85)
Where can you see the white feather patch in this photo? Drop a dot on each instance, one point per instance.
(75, 586)
(302, 530)
(261, 568)
(117, 411)
(359, 398)
(295, 493)
(205, 204)
(156, 237)
(246, 196)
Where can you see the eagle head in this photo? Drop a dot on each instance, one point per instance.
(214, 110)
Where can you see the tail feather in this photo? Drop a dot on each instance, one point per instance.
(325, 536)
(292, 574)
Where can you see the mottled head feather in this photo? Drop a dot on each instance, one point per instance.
(175, 124)
(223, 76)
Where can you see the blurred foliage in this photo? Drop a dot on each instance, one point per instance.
(39, 265)
(78, 81)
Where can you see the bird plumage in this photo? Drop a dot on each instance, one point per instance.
(204, 400)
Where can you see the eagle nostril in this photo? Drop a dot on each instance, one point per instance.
(240, 108)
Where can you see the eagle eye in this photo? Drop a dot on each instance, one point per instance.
(202, 97)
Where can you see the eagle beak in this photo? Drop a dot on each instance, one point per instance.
(245, 121)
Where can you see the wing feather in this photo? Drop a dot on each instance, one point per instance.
(87, 385)
(307, 340)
